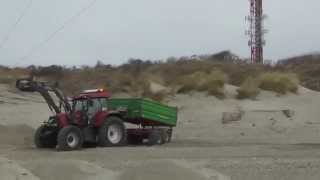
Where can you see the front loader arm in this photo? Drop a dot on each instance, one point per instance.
(66, 105)
(49, 100)
(44, 89)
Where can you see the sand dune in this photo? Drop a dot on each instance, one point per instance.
(265, 141)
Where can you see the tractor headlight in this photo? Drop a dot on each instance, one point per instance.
(52, 121)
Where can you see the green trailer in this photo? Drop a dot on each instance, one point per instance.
(144, 111)
(155, 120)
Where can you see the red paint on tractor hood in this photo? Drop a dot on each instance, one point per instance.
(62, 119)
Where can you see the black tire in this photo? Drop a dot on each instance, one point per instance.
(70, 138)
(45, 137)
(108, 137)
(134, 139)
(164, 136)
(169, 135)
(155, 138)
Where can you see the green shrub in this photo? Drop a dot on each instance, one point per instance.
(281, 83)
(248, 89)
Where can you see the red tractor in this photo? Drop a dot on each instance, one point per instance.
(92, 118)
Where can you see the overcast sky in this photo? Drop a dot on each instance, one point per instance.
(115, 30)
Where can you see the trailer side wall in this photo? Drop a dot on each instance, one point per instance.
(145, 109)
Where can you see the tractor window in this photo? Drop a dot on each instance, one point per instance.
(96, 105)
(103, 103)
(79, 105)
(94, 108)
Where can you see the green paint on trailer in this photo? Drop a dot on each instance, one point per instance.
(139, 108)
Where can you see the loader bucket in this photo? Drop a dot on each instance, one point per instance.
(30, 85)
(25, 84)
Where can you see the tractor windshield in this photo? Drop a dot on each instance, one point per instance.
(79, 105)
(92, 105)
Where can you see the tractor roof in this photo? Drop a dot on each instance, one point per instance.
(93, 93)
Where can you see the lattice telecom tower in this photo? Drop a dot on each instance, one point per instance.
(256, 31)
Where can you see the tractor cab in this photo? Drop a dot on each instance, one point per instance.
(90, 100)
(90, 103)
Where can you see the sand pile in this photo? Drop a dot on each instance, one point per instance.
(10, 170)
(200, 116)
(270, 118)
(202, 148)
(16, 135)
(18, 108)
(178, 170)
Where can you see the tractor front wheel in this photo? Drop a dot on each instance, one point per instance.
(45, 137)
(70, 138)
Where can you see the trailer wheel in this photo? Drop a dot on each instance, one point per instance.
(169, 135)
(70, 138)
(134, 139)
(155, 138)
(112, 133)
(44, 137)
(165, 136)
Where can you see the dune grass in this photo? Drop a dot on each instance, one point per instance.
(212, 83)
(9, 76)
(279, 82)
(249, 89)
(178, 76)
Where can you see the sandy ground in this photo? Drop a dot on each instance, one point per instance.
(265, 144)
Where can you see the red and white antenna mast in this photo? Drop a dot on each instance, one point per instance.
(256, 31)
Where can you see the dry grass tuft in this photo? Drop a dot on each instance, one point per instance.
(9, 76)
(249, 89)
(212, 82)
(177, 75)
(281, 83)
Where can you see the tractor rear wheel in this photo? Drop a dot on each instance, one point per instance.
(45, 137)
(112, 132)
(70, 138)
